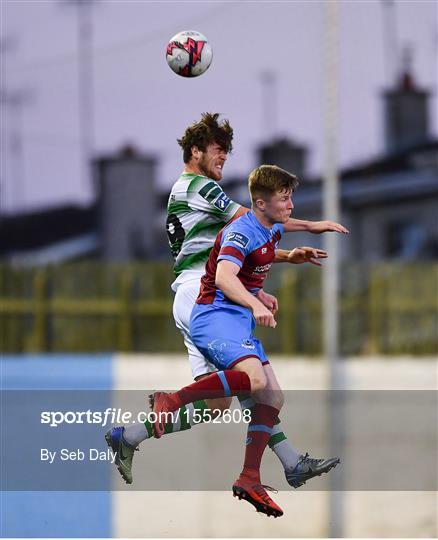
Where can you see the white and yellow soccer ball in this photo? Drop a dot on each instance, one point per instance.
(189, 53)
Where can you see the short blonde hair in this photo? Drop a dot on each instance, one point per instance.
(266, 180)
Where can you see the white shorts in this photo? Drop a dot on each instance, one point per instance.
(183, 303)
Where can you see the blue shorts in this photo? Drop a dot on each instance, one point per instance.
(224, 334)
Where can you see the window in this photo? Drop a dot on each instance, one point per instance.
(405, 240)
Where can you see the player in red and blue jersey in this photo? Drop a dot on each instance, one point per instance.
(197, 210)
(250, 246)
(229, 306)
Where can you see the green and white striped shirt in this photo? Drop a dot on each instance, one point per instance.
(197, 210)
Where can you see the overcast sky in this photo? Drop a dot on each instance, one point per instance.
(138, 99)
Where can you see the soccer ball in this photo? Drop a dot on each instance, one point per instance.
(189, 54)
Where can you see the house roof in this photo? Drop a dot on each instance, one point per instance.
(33, 230)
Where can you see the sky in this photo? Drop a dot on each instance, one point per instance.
(137, 99)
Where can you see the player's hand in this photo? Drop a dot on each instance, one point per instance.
(268, 300)
(305, 254)
(263, 316)
(318, 227)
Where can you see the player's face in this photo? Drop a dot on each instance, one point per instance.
(211, 162)
(278, 208)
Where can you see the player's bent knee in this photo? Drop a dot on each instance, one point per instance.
(258, 382)
(269, 396)
(277, 399)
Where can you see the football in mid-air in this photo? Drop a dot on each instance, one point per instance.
(189, 54)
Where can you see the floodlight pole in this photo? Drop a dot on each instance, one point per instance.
(269, 104)
(86, 86)
(390, 41)
(13, 101)
(331, 270)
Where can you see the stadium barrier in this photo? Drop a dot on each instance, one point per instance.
(142, 511)
(93, 307)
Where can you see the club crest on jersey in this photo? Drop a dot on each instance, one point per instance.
(222, 202)
(247, 344)
(237, 238)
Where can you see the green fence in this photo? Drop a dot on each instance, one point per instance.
(92, 307)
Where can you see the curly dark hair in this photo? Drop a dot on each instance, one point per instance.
(204, 132)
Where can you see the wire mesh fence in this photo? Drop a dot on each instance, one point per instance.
(94, 307)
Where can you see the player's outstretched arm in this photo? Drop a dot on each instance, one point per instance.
(301, 255)
(228, 282)
(300, 225)
(315, 227)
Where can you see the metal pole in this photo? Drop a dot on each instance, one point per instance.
(390, 41)
(16, 152)
(269, 104)
(14, 101)
(86, 89)
(331, 270)
(11, 117)
(331, 189)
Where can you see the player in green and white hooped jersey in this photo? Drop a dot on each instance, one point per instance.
(197, 210)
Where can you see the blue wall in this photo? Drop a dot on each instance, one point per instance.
(55, 513)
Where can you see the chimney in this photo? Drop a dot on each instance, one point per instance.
(286, 154)
(405, 110)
